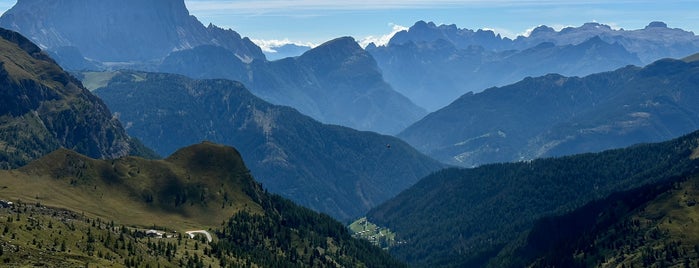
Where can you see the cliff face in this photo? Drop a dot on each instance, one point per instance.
(119, 30)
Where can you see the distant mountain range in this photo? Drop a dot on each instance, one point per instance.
(555, 115)
(42, 108)
(651, 43)
(333, 169)
(469, 217)
(433, 65)
(337, 83)
(70, 210)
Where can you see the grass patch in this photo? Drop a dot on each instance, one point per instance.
(95, 80)
(378, 236)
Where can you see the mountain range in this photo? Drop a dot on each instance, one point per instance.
(43, 108)
(337, 83)
(469, 217)
(651, 43)
(554, 115)
(433, 65)
(332, 169)
(82, 192)
(71, 210)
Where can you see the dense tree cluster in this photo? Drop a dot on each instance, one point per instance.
(473, 214)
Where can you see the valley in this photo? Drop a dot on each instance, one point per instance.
(141, 134)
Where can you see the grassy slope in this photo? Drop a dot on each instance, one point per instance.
(86, 203)
(33, 235)
(120, 189)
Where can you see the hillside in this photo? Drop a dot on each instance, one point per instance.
(335, 83)
(332, 169)
(651, 225)
(465, 217)
(73, 210)
(554, 115)
(43, 108)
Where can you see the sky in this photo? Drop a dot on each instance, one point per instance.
(316, 21)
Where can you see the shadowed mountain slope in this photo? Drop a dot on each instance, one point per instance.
(556, 115)
(43, 108)
(466, 217)
(332, 169)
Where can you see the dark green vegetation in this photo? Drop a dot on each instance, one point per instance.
(336, 83)
(465, 217)
(204, 186)
(651, 225)
(196, 187)
(332, 169)
(555, 115)
(43, 108)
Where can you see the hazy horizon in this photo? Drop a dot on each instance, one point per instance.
(311, 22)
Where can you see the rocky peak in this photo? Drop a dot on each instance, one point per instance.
(656, 24)
(118, 30)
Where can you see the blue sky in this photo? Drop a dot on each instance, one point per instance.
(316, 21)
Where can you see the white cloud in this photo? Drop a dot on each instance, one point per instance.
(502, 32)
(382, 40)
(269, 45)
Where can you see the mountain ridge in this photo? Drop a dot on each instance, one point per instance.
(44, 108)
(555, 115)
(134, 211)
(433, 65)
(335, 83)
(475, 214)
(330, 168)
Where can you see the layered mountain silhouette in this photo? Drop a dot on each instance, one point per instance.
(135, 212)
(337, 83)
(651, 43)
(468, 217)
(433, 65)
(43, 108)
(332, 169)
(554, 115)
(132, 32)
